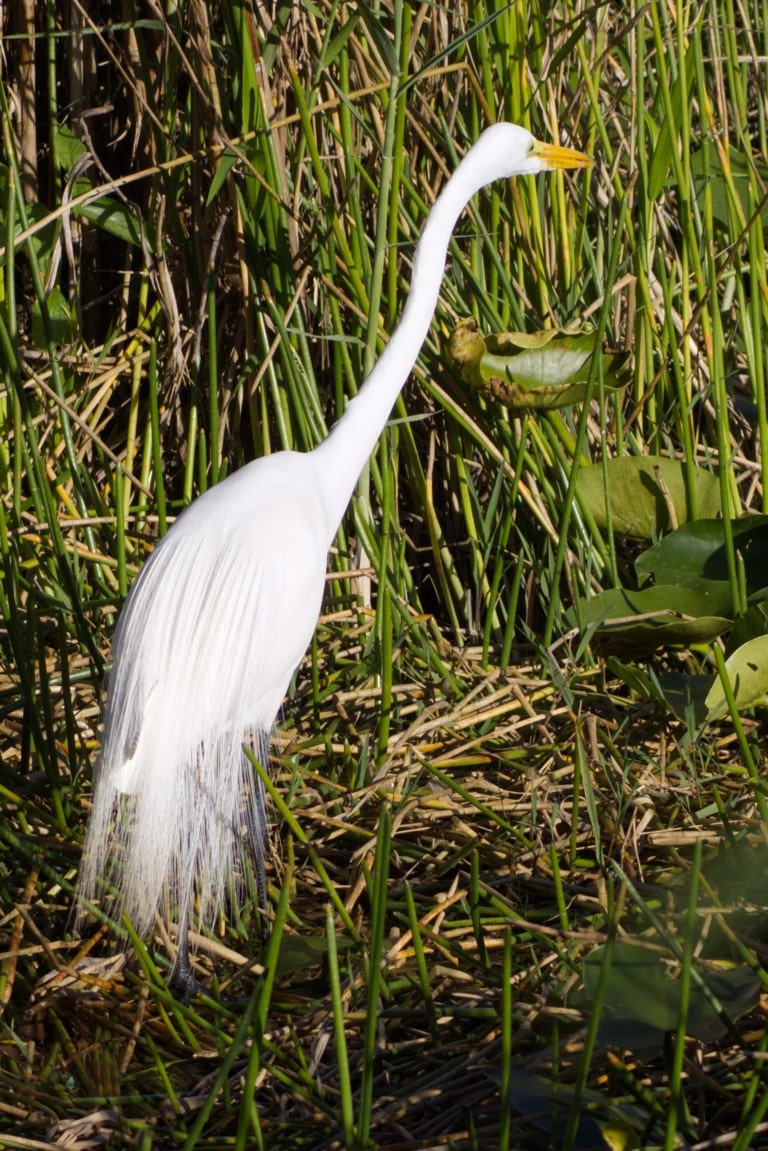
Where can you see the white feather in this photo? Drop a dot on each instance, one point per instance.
(207, 642)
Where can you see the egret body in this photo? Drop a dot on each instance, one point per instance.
(224, 609)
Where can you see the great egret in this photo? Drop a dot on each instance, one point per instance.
(223, 611)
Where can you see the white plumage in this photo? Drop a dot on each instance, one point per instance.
(223, 611)
(214, 627)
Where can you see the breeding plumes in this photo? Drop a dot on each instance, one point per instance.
(224, 609)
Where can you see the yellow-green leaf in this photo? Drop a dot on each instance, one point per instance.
(646, 495)
(545, 370)
(747, 670)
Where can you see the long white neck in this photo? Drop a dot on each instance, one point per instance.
(343, 454)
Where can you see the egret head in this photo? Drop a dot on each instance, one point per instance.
(509, 150)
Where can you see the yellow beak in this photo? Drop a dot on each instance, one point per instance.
(553, 156)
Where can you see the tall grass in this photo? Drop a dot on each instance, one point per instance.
(209, 217)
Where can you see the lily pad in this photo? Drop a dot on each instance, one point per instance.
(695, 553)
(547, 1107)
(701, 698)
(641, 1002)
(646, 495)
(655, 616)
(543, 370)
(301, 952)
(686, 695)
(752, 624)
(747, 670)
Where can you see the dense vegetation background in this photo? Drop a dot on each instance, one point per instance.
(519, 871)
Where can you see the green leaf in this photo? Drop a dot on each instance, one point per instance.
(380, 37)
(642, 493)
(695, 553)
(752, 624)
(68, 148)
(669, 133)
(641, 1004)
(636, 987)
(544, 370)
(227, 161)
(708, 170)
(63, 324)
(45, 235)
(547, 1107)
(747, 670)
(635, 677)
(338, 43)
(686, 695)
(739, 875)
(299, 952)
(655, 616)
(114, 217)
(736, 989)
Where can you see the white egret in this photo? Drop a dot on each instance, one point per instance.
(223, 611)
